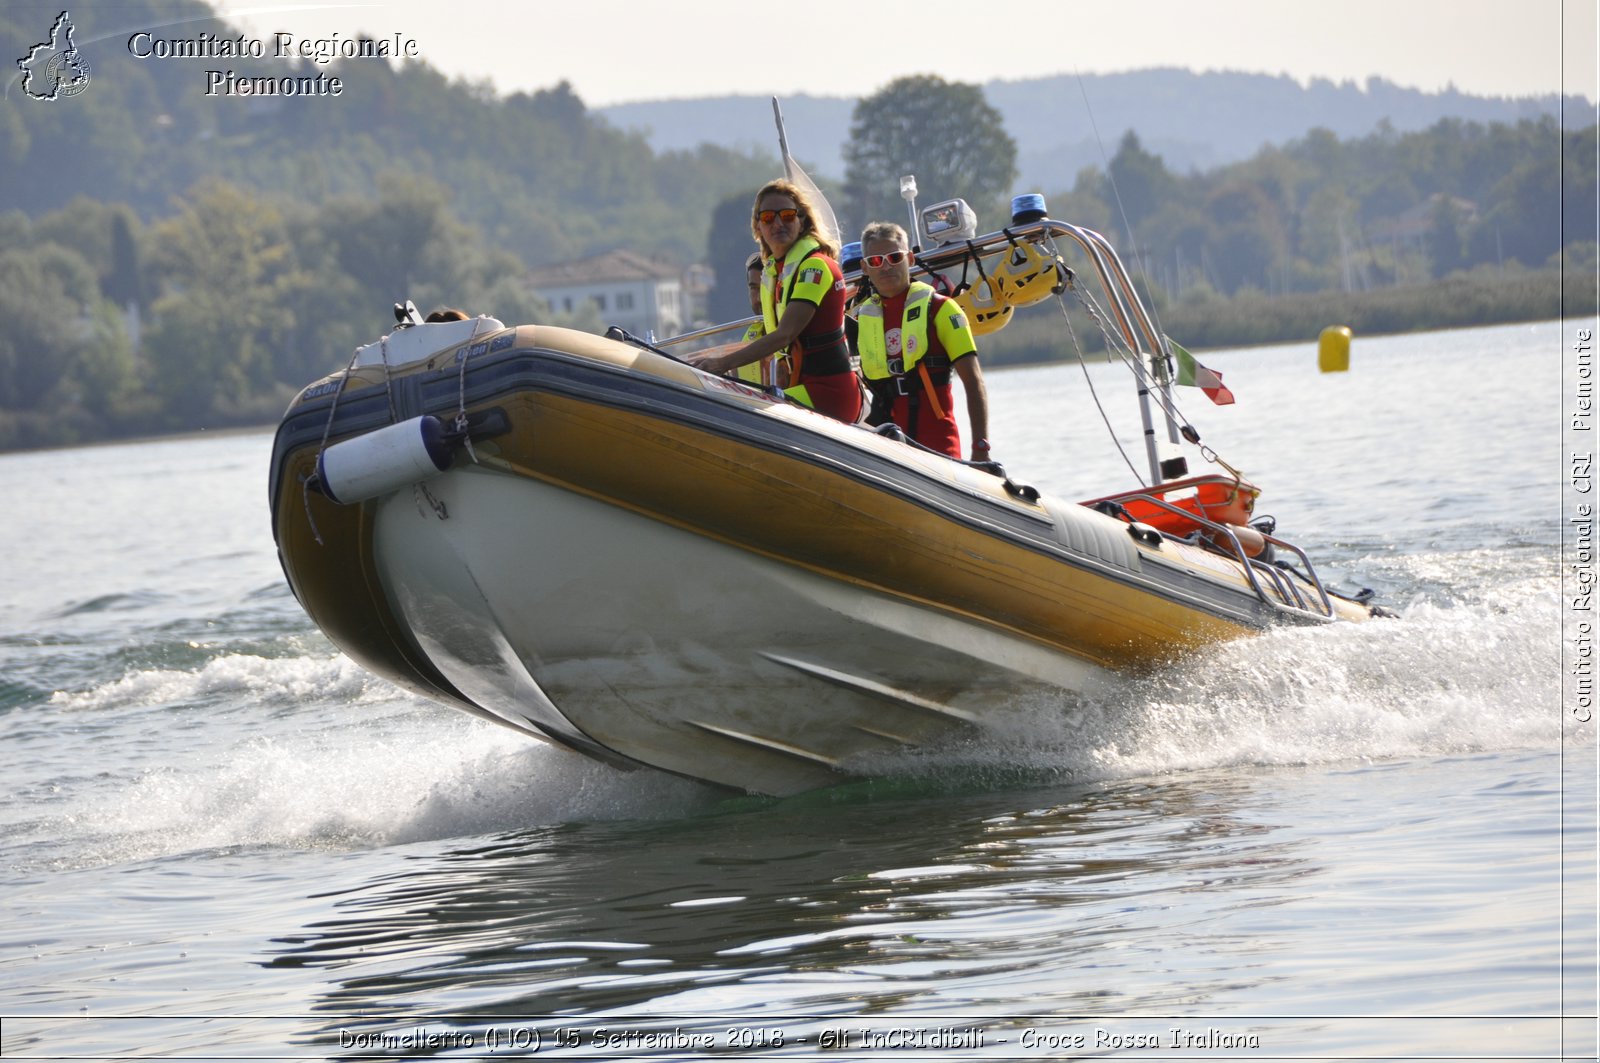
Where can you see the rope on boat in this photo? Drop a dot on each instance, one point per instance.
(1116, 194)
(461, 399)
(1119, 347)
(1216, 459)
(1077, 349)
(388, 381)
(421, 494)
(305, 500)
(327, 430)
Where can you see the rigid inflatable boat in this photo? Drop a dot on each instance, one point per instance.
(588, 540)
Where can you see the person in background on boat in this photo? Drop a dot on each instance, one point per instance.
(445, 313)
(772, 370)
(802, 306)
(910, 337)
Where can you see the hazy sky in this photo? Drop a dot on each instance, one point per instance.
(617, 51)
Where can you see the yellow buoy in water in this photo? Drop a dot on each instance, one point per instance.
(1333, 349)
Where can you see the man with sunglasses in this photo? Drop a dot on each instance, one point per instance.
(910, 337)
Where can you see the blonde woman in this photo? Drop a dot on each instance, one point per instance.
(802, 305)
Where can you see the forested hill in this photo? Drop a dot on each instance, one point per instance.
(546, 176)
(1194, 121)
(172, 258)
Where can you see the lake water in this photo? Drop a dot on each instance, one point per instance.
(222, 839)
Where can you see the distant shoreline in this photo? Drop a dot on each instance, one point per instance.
(1254, 319)
(141, 438)
(1531, 297)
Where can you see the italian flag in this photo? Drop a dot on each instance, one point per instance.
(1192, 374)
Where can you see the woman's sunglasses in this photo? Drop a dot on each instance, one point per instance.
(769, 216)
(894, 258)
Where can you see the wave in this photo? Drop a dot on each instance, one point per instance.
(284, 680)
(106, 603)
(1462, 671)
(311, 751)
(432, 779)
(305, 752)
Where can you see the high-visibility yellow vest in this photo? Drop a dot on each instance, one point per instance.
(874, 347)
(754, 372)
(774, 297)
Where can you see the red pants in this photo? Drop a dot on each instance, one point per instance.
(837, 395)
(933, 432)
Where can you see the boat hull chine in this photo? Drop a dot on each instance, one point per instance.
(679, 650)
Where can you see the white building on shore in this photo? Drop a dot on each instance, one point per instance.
(643, 295)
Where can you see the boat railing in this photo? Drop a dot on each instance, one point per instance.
(689, 339)
(1133, 323)
(1290, 598)
(1132, 320)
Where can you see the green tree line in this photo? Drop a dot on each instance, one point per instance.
(1460, 224)
(169, 262)
(1378, 211)
(546, 177)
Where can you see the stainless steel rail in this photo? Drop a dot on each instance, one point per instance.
(710, 330)
(1131, 320)
(1293, 600)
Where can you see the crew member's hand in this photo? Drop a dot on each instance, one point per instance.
(713, 359)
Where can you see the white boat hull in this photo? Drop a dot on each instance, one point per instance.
(660, 644)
